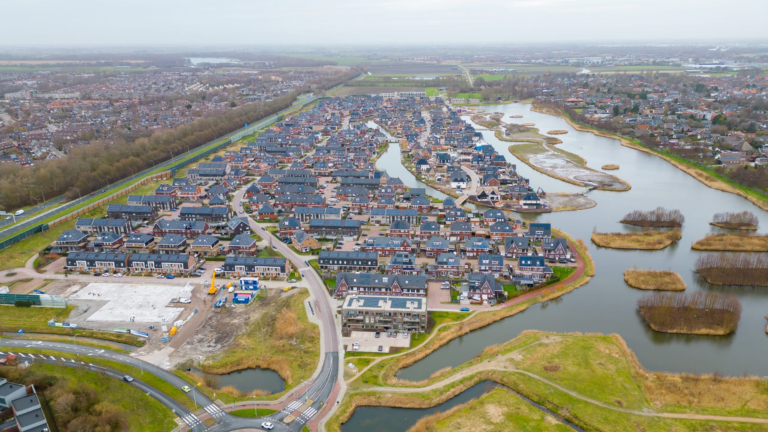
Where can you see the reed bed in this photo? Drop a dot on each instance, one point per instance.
(739, 221)
(696, 313)
(746, 269)
(609, 167)
(646, 240)
(732, 242)
(654, 280)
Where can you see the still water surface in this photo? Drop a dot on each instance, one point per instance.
(606, 304)
(248, 380)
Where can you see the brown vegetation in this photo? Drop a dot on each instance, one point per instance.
(557, 132)
(649, 240)
(696, 313)
(654, 280)
(610, 167)
(527, 124)
(659, 218)
(741, 221)
(734, 269)
(732, 243)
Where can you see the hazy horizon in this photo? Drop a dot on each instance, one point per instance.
(83, 23)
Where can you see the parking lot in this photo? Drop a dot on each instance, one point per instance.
(370, 343)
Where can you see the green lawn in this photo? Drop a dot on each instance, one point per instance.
(563, 272)
(268, 252)
(441, 317)
(258, 412)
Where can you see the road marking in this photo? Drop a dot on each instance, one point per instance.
(191, 420)
(31, 355)
(214, 411)
(293, 406)
(308, 413)
(22, 355)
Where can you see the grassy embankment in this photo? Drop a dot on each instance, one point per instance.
(707, 176)
(557, 132)
(654, 280)
(499, 410)
(610, 167)
(258, 412)
(542, 366)
(648, 240)
(35, 320)
(281, 339)
(81, 400)
(732, 243)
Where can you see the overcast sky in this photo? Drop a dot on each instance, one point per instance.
(260, 22)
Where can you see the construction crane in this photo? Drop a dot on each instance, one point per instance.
(212, 289)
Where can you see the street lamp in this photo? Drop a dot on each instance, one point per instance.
(193, 394)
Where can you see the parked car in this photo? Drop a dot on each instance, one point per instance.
(381, 348)
(127, 378)
(291, 280)
(464, 309)
(106, 274)
(365, 234)
(185, 300)
(169, 276)
(378, 334)
(97, 274)
(186, 389)
(159, 276)
(355, 346)
(563, 261)
(389, 334)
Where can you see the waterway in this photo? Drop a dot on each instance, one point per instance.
(386, 419)
(247, 380)
(606, 304)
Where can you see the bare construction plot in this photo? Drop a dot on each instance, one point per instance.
(143, 303)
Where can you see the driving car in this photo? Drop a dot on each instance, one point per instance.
(267, 425)
(127, 378)
(464, 309)
(186, 389)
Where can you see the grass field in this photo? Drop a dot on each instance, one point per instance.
(281, 339)
(141, 413)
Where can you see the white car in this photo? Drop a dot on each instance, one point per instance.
(267, 425)
(355, 346)
(185, 300)
(160, 276)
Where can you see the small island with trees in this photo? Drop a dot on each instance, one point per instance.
(732, 242)
(696, 313)
(745, 220)
(654, 280)
(646, 240)
(734, 269)
(659, 218)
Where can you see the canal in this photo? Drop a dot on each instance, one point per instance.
(606, 304)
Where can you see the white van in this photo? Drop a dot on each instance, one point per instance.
(19, 212)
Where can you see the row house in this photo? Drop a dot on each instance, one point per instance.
(293, 189)
(211, 215)
(161, 263)
(159, 202)
(387, 246)
(460, 231)
(288, 226)
(306, 214)
(455, 214)
(335, 228)
(256, 267)
(421, 204)
(428, 229)
(492, 216)
(140, 213)
(385, 203)
(347, 192)
(191, 193)
(96, 226)
(380, 284)
(539, 231)
(388, 216)
(189, 229)
(501, 230)
(96, 262)
(307, 181)
(108, 240)
(289, 202)
(265, 212)
(348, 261)
(359, 203)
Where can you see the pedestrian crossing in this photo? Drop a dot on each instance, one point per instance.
(308, 413)
(214, 411)
(293, 406)
(191, 420)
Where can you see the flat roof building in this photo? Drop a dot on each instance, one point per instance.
(383, 313)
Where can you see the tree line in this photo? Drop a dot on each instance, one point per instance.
(683, 313)
(89, 168)
(731, 219)
(749, 269)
